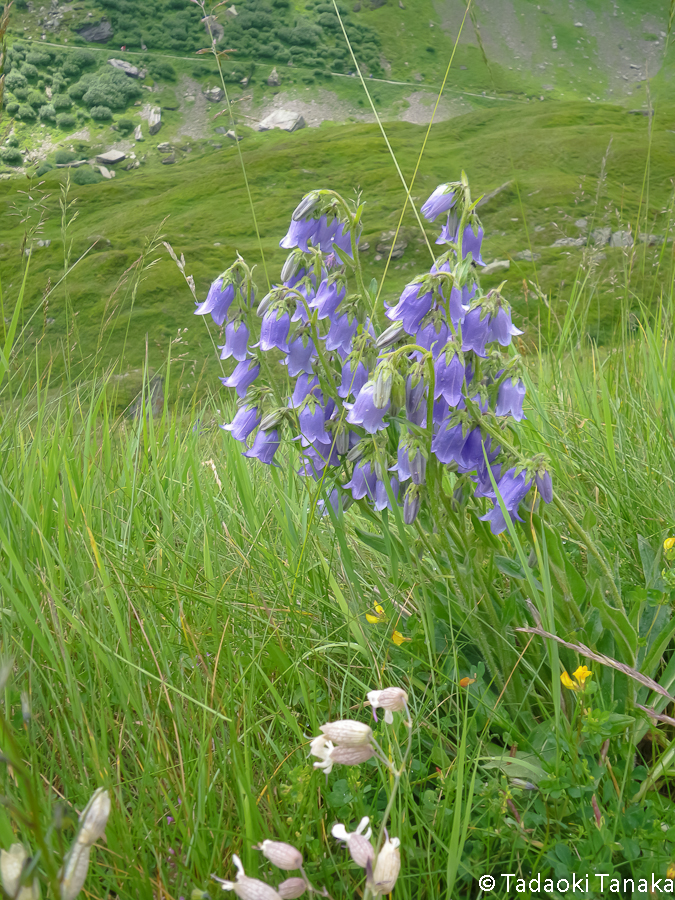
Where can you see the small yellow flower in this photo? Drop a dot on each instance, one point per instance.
(580, 677)
(398, 638)
(378, 616)
(669, 543)
(465, 682)
(671, 871)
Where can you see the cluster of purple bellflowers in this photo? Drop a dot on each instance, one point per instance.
(378, 412)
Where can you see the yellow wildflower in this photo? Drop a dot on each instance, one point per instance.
(378, 616)
(671, 872)
(669, 543)
(465, 682)
(580, 677)
(398, 638)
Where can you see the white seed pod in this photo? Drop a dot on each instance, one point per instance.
(94, 818)
(351, 756)
(390, 699)
(348, 733)
(283, 856)
(12, 862)
(74, 872)
(292, 888)
(387, 867)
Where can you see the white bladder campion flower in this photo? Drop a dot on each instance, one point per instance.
(328, 754)
(348, 733)
(382, 879)
(74, 872)
(292, 888)
(94, 818)
(247, 888)
(390, 699)
(358, 842)
(12, 864)
(283, 856)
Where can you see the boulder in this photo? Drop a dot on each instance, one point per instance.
(213, 28)
(581, 223)
(499, 265)
(274, 79)
(601, 236)
(231, 12)
(105, 172)
(526, 256)
(48, 92)
(110, 157)
(155, 120)
(164, 147)
(97, 32)
(652, 239)
(283, 119)
(387, 244)
(214, 94)
(125, 67)
(232, 136)
(138, 133)
(569, 242)
(621, 239)
(169, 160)
(134, 164)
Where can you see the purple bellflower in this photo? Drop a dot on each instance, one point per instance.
(502, 328)
(475, 332)
(381, 497)
(471, 243)
(513, 489)
(341, 333)
(510, 398)
(412, 307)
(312, 422)
(363, 411)
(245, 421)
(439, 202)
(245, 373)
(450, 372)
(218, 301)
(327, 299)
(353, 379)
(544, 486)
(274, 330)
(301, 352)
(264, 447)
(433, 336)
(303, 386)
(236, 341)
(362, 482)
(415, 401)
(448, 444)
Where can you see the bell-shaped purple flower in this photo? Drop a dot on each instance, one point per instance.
(218, 301)
(447, 445)
(483, 483)
(544, 485)
(364, 412)
(475, 332)
(274, 330)
(312, 422)
(264, 447)
(472, 451)
(236, 341)
(354, 376)
(450, 231)
(303, 386)
(245, 421)
(341, 333)
(333, 500)
(449, 372)
(327, 299)
(433, 336)
(471, 243)
(411, 504)
(382, 500)
(325, 453)
(301, 352)
(440, 201)
(331, 235)
(513, 489)
(300, 233)
(245, 373)
(510, 398)
(413, 306)
(502, 328)
(440, 411)
(415, 400)
(362, 482)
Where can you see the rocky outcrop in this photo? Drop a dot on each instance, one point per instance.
(127, 68)
(97, 32)
(213, 28)
(283, 119)
(155, 120)
(214, 94)
(499, 265)
(169, 160)
(621, 239)
(110, 157)
(138, 133)
(274, 79)
(387, 244)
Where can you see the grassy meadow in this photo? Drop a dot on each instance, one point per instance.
(180, 620)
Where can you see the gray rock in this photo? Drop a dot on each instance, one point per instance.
(387, 245)
(110, 157)
(582, 223)
(42, 243)
(105, 172)
(231, 12)
(283, 119)
(213, 28)
(363, 246)
(539, 228)
(621, 239)
(97, 32)
(233, 137)
(138, 133)
(499, 265)
(640, 112)
(274, 79)
(214, 94)
(165, 147)
(48, 92)
(134, 164)
(125, 67)
(526, 256)
(169, 160)
(155, 120)
(569, 242)
(601, 236)
(652, 239)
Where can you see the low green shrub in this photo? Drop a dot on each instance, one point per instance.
(26, 112)
(100, 113)
(66, 120)
(28, 71)
(64, 156)
(12, 141)
(125, 126)
(11, 156)
(61, 101)
(36, 99)
(12, 107)
(48, 113)
(86, 175)
(43, 168)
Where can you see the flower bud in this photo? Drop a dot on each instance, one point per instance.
(263, 306)
(351, 756)
(94, 818)
(411, 504)
(382, 387)
(12, 863)
(390, 335)
(291, 265)
(307, 205)
(291, 888)
(271, 420)
(283, 856)
(387, 867)
(347, 733)
(391, 700)
(74, 872)
(342, 441)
